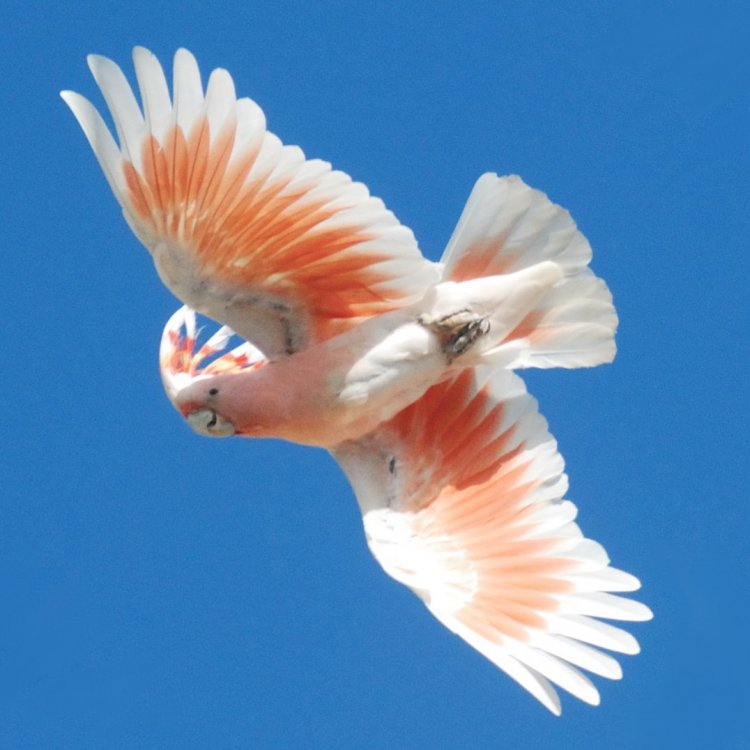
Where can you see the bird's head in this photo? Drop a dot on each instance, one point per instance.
(200, 404)
(196, 376)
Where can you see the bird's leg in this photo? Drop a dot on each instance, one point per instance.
(457, 331)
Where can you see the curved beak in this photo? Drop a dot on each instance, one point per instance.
(208, 422)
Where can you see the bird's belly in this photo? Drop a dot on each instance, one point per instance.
(345, 387)
(378, 385)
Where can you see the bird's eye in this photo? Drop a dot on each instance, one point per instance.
(213, 391)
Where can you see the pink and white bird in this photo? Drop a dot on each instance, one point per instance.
(401, 367)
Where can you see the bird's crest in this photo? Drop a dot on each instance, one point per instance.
(183, 359)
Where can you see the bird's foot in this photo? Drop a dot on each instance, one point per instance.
(458, 331)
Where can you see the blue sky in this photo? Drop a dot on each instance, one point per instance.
(161, 590)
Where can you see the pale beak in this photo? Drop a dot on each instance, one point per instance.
(208, 422)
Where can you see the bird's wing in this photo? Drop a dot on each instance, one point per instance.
(462, 498)
(242, 228)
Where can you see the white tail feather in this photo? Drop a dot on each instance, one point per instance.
(508, 227)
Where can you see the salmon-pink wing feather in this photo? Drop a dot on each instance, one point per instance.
(462, 498)
(242, 228)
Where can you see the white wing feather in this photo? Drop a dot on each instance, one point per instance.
(462, 500)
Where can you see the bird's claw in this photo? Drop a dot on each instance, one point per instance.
(458, 331)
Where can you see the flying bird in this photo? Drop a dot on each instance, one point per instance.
(402, 368)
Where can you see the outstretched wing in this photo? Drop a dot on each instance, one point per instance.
(461, 495)
(242, 228)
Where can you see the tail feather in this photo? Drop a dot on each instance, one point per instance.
(572, 326)
(509, 228)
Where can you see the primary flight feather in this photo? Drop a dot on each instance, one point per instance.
(401, 367)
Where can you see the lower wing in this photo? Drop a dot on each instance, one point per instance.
(462, 498)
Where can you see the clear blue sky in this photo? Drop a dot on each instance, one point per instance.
(161, 590)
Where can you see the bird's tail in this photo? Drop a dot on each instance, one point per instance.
(523, 257)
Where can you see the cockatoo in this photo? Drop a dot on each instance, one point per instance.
(402, 368)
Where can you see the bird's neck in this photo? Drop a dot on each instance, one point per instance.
(284, 399)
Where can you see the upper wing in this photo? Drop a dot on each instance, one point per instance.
(462, 501)
(241, 227)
